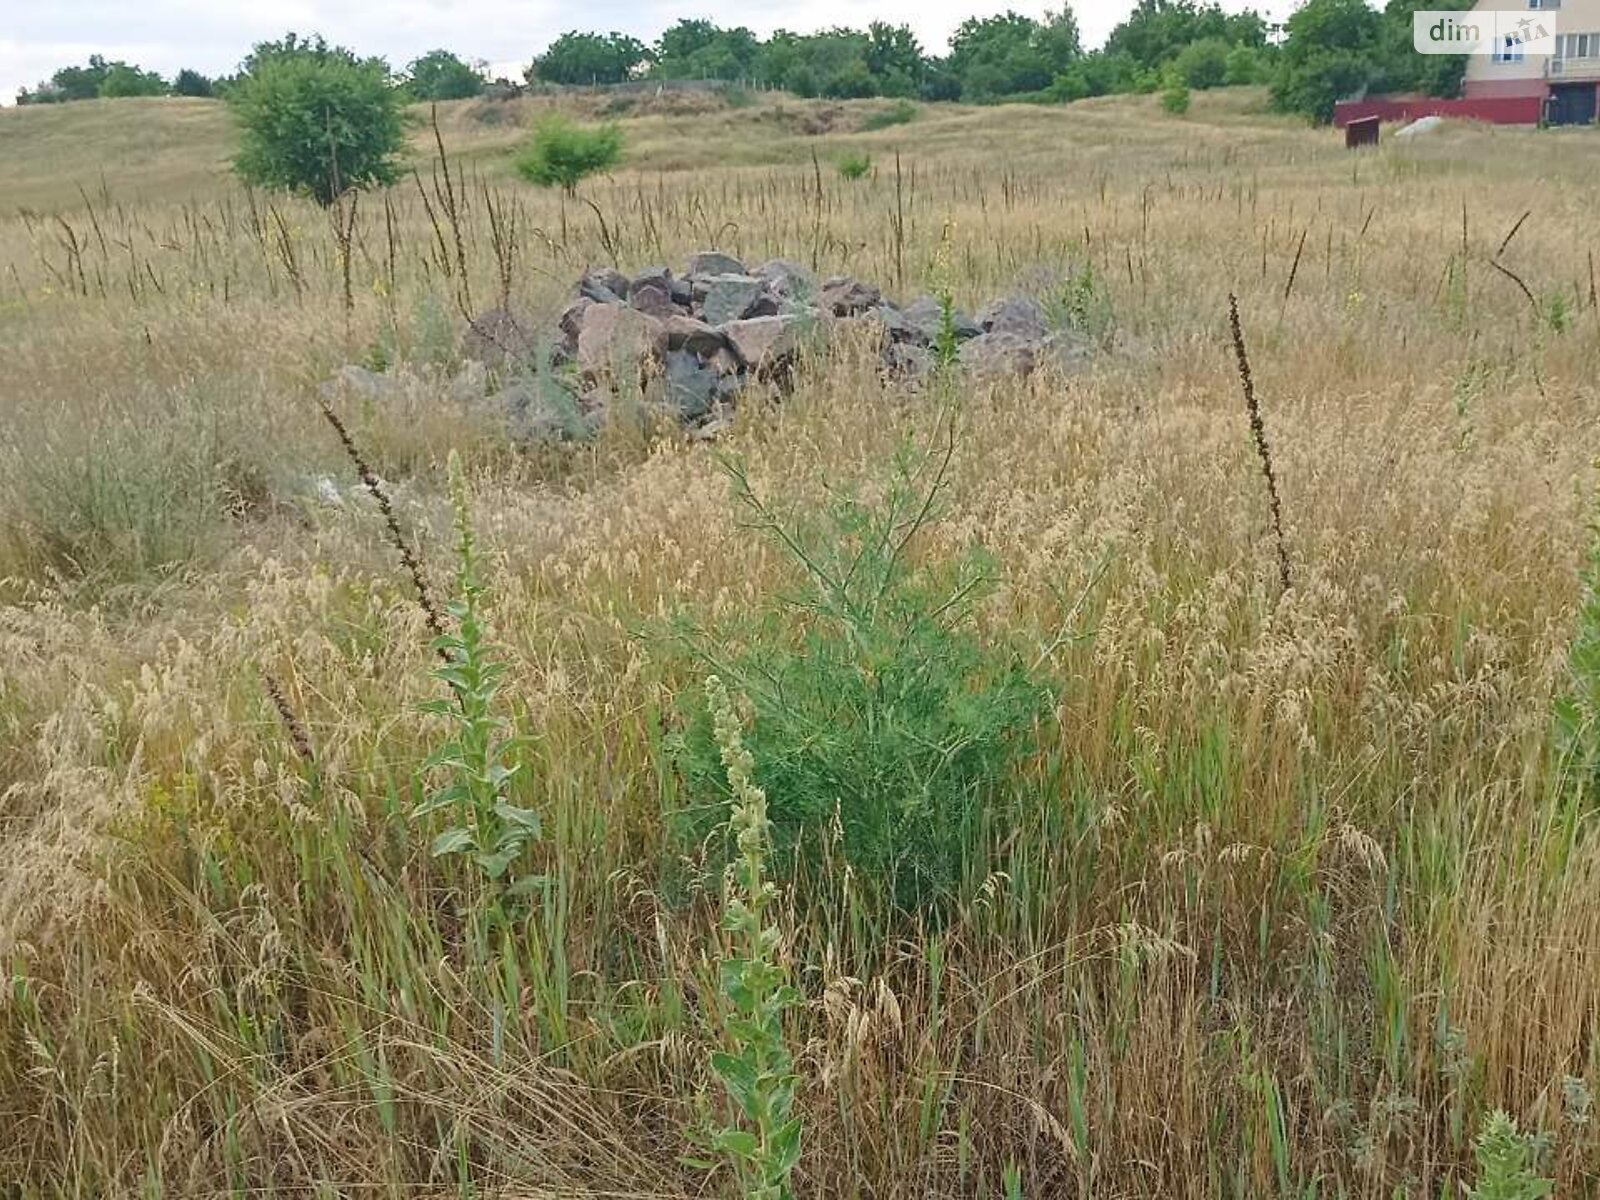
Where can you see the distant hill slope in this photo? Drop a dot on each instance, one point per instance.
(168, 146)
(179, 149)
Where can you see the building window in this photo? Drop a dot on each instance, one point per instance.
(1544, 3)
(1578, 45)
(1510, 51)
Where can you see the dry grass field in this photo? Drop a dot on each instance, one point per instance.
(1283, 896)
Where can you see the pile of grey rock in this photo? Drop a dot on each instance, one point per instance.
(691, 342)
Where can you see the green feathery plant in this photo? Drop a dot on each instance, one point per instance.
(763, 1142)
(488, 828)
(886, 726)
(1508, 1162)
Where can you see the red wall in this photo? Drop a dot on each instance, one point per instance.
(1505, 110)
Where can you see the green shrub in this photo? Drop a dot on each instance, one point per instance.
(854, 166)
(902, 112)
(318, 124)
(1244, 66)
(1202, 64)
(885, 728)
(1175, 99)
(562, 154)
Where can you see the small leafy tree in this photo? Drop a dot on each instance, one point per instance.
(562, 154)
(1175, 99)
(318, 123)
(855, 166)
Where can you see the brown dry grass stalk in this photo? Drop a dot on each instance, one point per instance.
(402, 544)
(1258, 432)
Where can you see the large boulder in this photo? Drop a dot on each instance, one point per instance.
(787, 279)
(688, 333)
(764, 343)
(616, 342)
(661, 276)
(604, 285)
(846, 297)
(570, 325)
(1018, 315)
(731, 298)
(654, 298)
(997, 355)
(926, 315)
(895, 325)
(694, 388)
(907, 360)
(710, 262)
(499, 338)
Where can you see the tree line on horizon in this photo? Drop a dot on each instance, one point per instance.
(1326, 50)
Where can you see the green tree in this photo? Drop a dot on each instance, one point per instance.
(123, 79)
(1096, 74)
(1157, 31)
(440, 75)
(292, 46)
(318, 123)
(1401, 68)
(69, 83)
(1244, 65)
(1331, 52)
(939, 82)
(80, 83)
(1202, 64)
(895, 58)
(589, 58)
(562, 154)
(1004, 55)
(698, 49)
(189, 82)
(854, 81)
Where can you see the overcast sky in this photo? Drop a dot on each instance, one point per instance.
(37, 36)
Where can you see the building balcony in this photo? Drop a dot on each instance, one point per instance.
(1574, 70)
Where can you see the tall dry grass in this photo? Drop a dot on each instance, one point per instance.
(1292, 894)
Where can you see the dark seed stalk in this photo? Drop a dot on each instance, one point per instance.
(1258, 431)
